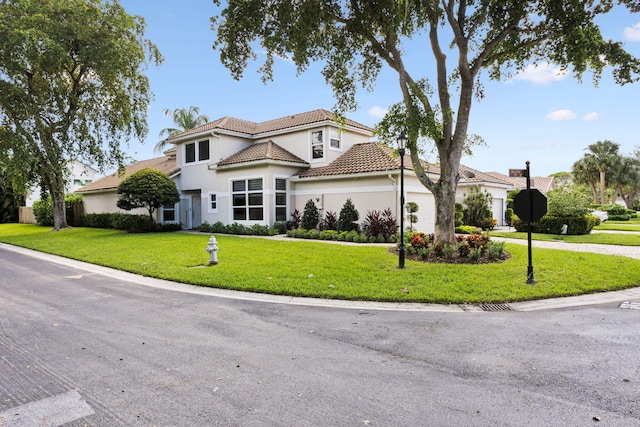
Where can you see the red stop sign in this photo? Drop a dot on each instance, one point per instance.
(538, 205)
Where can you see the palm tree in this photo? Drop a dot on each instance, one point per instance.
(584, 171)
(184, 119)
(604, 155)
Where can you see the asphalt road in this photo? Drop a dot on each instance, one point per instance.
(79, 348)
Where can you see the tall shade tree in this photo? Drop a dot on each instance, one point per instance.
(71, 86)
(354, 39)
(184, 119)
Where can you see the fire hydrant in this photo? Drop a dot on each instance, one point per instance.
(212, 248)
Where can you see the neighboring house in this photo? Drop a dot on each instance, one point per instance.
(544, 184)
(78, 175)
(102, 195)
(233, 170)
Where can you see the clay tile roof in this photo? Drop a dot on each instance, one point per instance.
(252, 128)
(166, 164)
(262, 151)
(544, 184)
(470, 175)
(361, 158)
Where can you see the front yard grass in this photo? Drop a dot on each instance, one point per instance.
(318, 269)
(626, 239)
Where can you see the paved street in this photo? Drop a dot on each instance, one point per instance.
(81, 348)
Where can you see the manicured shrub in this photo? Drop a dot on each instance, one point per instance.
(330, 221)
(43, 211)
(412, 208)
(147, 188)
(310, 216)
(478, 207)
(296, 219)
(349, 216)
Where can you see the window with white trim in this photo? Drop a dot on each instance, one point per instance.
(317, 145)
(169, 212)
(247, 199)
(281, 199)
(213, 202)
(196, 152)
(334, 141)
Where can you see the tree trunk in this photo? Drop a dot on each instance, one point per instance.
(56, 189)
(602, 187)
(445, 213)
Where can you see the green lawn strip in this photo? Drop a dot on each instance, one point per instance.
(597, 238)
(318, 269)
(617, 227)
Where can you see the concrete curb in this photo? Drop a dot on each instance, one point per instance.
(537, 305)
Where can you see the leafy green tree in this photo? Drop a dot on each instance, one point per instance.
(147, 188)
(310, 216)
(567, 202)
(626, 179)
(355, 39)
(71, 86)
(349, 216)
(11, 196)
(184, 119)
(478, 207)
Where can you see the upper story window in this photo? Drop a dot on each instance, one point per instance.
(334, 141)
(196, 151)
(317, 145)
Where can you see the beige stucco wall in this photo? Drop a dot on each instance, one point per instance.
(105, 202)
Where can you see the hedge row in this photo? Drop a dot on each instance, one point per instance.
(554, 224)
(128, 222)
(235, 228)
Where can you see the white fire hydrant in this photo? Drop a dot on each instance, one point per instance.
(212, 248)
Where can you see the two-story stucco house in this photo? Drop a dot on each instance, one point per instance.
(234, 170)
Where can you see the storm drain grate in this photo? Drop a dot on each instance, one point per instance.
(495, 307)
(631, 305)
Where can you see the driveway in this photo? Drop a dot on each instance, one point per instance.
(86, 348)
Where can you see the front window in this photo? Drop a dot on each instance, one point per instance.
(247, 200)
(169, 213)
(317, 145)
(281, 199)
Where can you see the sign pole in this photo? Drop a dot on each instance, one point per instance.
(530, 278)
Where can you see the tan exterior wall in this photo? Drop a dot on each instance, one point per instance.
(25, 215)
(105, 202)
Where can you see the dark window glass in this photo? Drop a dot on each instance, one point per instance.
(239, 185)
(255, 199)
(240, 200)
(239, 214)
(281, 184)
(281, 214)
(203, 150)
(190, 153)
(255, 184)
(255, 214)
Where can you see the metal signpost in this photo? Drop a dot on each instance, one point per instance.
(530, 205)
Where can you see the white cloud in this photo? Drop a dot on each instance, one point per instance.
(633, 33)
(591, 117)
(377, 112)
(541, 74)
(561, 115)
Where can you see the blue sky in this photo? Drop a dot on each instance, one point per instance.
(540, 115)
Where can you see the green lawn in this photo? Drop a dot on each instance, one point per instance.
(618, 226)
(318, 269)
(630, 239)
